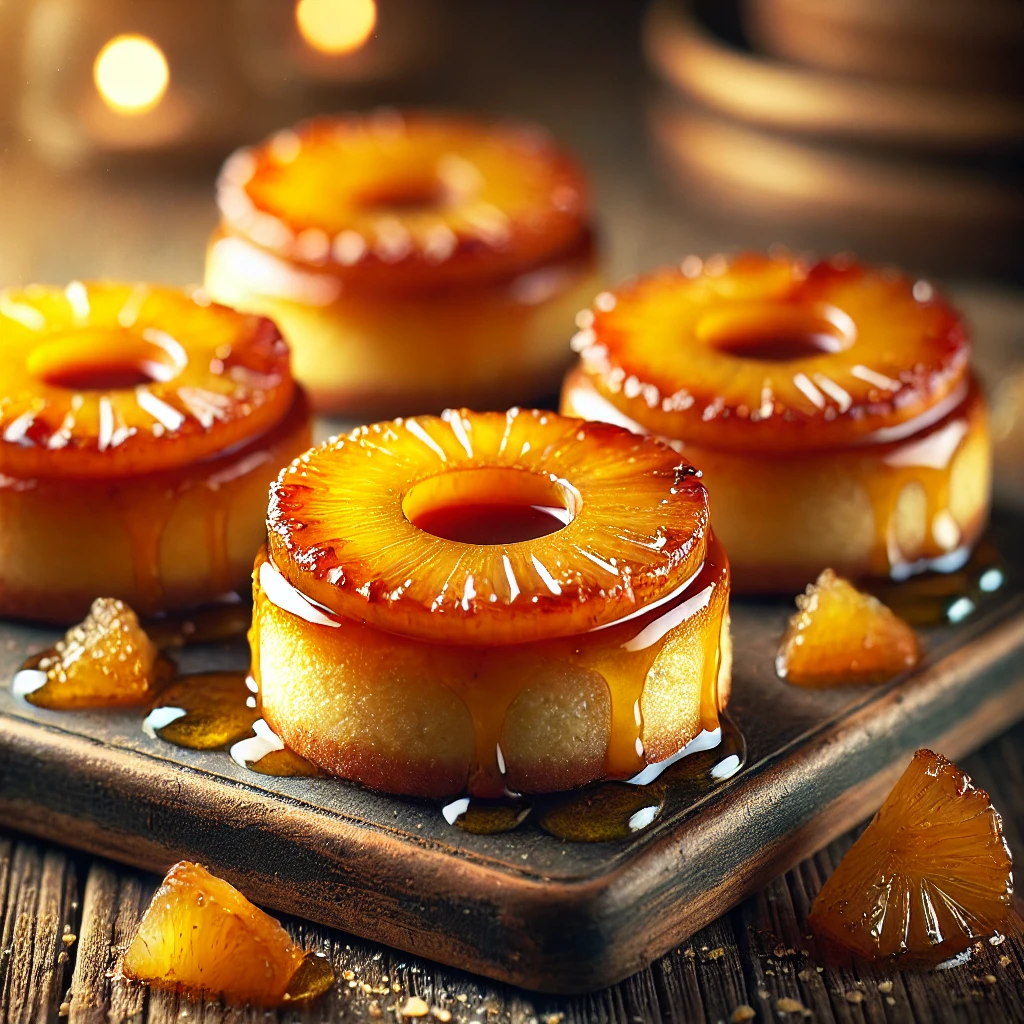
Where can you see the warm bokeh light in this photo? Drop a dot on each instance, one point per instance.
(131, 74)
(336, 26)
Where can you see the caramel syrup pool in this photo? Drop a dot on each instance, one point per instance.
(218, 710)
(608, 811)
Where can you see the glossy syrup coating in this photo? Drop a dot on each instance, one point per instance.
(441, 719)
(930, 875)
(204, 711)
(840, 636)
(106, 380)
(201, 936)
(774, 354)
(390, 200)
(342, 525)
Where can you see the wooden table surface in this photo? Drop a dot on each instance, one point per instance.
(66, 919)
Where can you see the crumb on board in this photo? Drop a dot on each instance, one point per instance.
(415, 1007)
(787, 1005)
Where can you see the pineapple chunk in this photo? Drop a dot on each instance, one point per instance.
(202, 936)
(841, 636)
(930, 875)
(105, 661)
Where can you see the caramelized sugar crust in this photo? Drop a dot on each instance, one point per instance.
(773, 354)
(107, 380)
(434, 719)
(201, 936)
(930, 874)
(841, 636)
(340, 529)
(391, 201)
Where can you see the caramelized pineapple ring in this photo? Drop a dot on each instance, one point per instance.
(110, 380)
(418, 200)
(773, 355)
(632, 520)
(838, 394)
(139, 430)
(429, 719)
(412, 263)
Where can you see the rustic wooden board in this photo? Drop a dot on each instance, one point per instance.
(521, 907)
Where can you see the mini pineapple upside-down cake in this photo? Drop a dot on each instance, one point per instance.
(139, 430)
(839, 395)
(412, 261)
(490, 602)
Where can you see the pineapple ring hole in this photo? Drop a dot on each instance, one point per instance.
(105, 359)
(491, 505)
(777, 332)
(407, 195)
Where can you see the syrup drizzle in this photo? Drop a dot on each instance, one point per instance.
(621, 653)
(214, 710)
(904, 472)
(217, 710)
(227, 620)
(266, 754)
(936, 598)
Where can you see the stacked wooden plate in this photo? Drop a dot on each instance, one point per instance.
(894, 126)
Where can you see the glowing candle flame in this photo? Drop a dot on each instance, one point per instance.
(336, 26)
(131, 74)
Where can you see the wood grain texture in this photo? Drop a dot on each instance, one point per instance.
(39, 909)
(754, 956)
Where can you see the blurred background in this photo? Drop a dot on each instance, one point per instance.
(891, 128)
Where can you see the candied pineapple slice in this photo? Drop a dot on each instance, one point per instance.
(112, 380)
(772, 354)
(930, 875)
(105, 661)
(201, 935)
(633, 525)
(841, 636)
